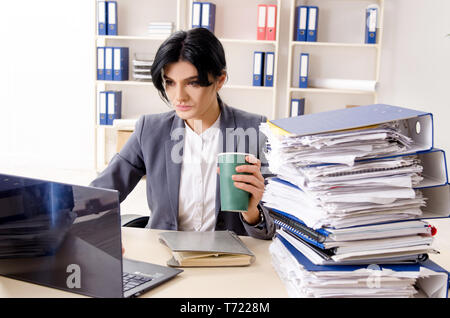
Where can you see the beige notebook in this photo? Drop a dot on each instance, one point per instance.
(206, 249)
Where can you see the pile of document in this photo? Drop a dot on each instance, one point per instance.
(160, 29)
(142, 66)
(352, 196)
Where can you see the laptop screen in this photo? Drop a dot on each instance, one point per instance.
(60, 235)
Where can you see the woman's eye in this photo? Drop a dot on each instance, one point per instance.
(169, 83)
(194, 83)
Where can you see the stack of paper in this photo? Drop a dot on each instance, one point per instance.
(142, 66)
(160, 29)
(353, 195)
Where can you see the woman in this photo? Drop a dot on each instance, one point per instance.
(177, 150)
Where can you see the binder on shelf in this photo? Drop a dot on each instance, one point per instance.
(196, 14)
(120, 64)
(258, 68)
(112, 18)
(349, 118)
(102, 109)
(301, 23)
(102, 18)
(269, 68)
(271, 31)
(208, 16)
(109, 55)
(297, 107)
(100, 63)
(313, 17)
(304, 70)
(262, 22)
(371, 25)
(114, 106)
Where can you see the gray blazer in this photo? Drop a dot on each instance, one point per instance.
(155, 149)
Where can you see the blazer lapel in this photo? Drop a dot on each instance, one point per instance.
(227, 122)
(174, 159)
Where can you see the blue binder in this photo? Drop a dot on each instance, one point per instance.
(112, 17)
(102, 108)
(120, 64)
(371, 25)
(102, 17)
(304, 70)
(297, 107)
(269, 68)
(301, 25)
(435, 285)
(101, 63)
(258, 68)
(313, 18)
(196, 14)
(362, 116)
(114, 104)
(109, 60)
(208, 15)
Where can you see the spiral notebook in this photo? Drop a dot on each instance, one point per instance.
(206, 249)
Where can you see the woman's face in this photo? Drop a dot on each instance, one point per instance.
(190, 100)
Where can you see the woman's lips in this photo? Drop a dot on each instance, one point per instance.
(183, 107)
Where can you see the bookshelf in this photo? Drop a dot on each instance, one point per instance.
(331, 56)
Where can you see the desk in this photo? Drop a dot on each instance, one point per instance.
(256, 281)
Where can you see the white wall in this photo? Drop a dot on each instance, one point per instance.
(415, 62)
(48, 69)
(46, 83)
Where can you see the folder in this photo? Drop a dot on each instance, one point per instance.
(102, 18)
(120, 64)
(269, 68)
(208, 16)
(297, 107)
(258, 68)
(100, 63)
(313, 17)
(114, 106)
(271, 31)
(109, 55)
(262, 22)
(363, 116)
(304, 70)
(112, 18)
(196, 14)
(301, 23)
(371, 25)
(102, 109)
(432, 282)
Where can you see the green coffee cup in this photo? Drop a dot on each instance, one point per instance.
(232, 199)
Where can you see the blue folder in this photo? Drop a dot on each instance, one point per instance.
(313, 18)
(196, 14)
(258, 68)
(109, 60)
(301, 23)
(120, 64)
(100, 63)
(208, 20)
(102, 17)
(114, 106)
(304, 70)
(297, 107)
(371, 25)
(102, 108)
(269, 65)
(112, 17)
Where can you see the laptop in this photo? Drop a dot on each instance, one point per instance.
(69, 237)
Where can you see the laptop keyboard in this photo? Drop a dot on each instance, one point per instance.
(131, 281)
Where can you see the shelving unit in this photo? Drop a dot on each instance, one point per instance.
(325, 41)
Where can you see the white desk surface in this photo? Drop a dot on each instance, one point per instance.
(257, 280)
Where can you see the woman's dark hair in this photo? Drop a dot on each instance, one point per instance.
(197, 46)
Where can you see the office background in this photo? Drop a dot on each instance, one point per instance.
(47, 61)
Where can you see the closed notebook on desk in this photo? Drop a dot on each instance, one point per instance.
(206, 249)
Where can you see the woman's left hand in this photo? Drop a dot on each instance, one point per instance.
(252, 183)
